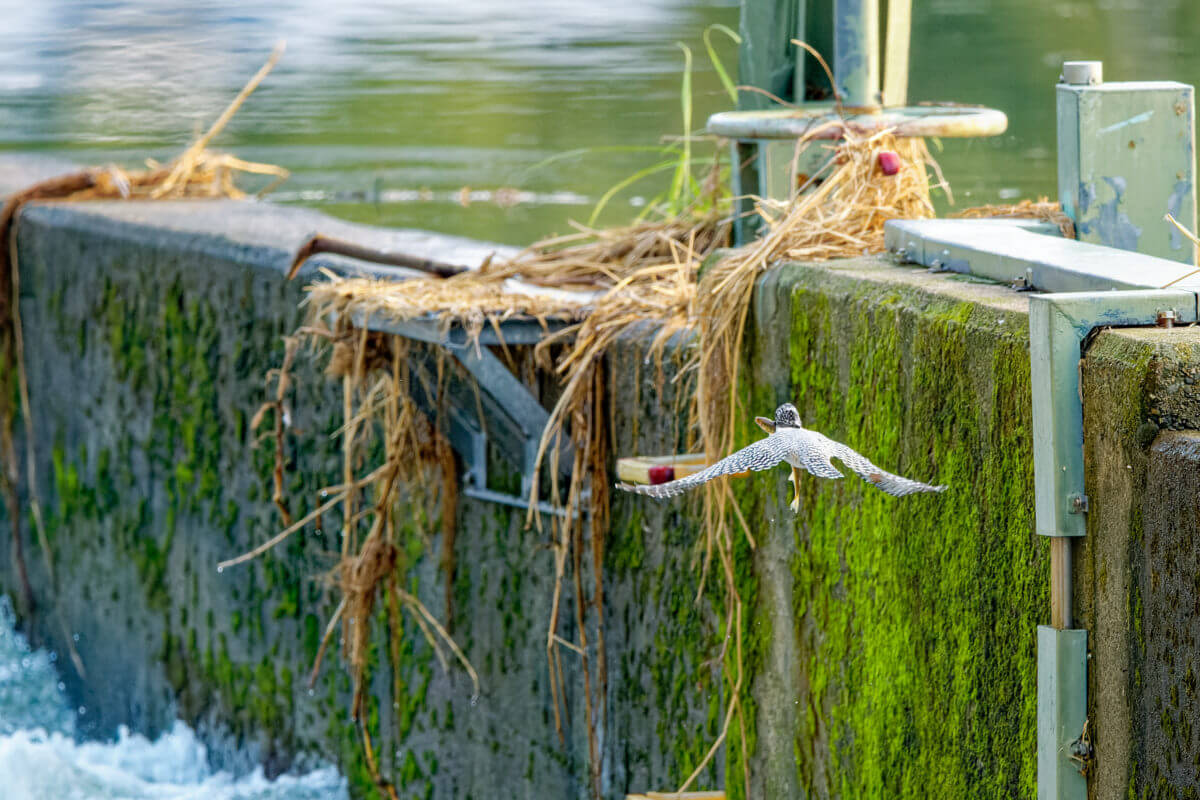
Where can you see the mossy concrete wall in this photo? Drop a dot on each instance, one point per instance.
(149, 329)
(1138, 581)
(889, 643)
(896, 649)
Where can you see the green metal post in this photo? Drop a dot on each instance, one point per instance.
(766, 57)
(856, 51)
(801, 55)
(1125, 160)
(1062, 711)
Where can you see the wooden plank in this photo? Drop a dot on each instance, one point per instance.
(718, 795)
(659, 469)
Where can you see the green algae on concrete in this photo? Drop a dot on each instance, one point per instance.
(148, 350)
(888, 643)
(913, 619)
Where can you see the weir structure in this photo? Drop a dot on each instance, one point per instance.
(894, 650)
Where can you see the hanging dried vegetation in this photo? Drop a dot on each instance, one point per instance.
(595, 285)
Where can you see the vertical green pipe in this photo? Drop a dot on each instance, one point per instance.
(856, 51)
(798, 90)
(766, 57)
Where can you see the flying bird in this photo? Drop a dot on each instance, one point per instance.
(801, 448)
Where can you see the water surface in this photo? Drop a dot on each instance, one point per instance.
(41, 759)
(431, 114)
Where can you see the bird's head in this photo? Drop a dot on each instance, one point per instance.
(786, 416)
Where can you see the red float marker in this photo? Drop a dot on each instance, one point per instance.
(889, 162)
(661, 473)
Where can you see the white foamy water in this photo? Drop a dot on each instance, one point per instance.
(40, 758)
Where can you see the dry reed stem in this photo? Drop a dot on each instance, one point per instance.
(1195, 251)
(278, 405)
(184, 167)
(374, 370)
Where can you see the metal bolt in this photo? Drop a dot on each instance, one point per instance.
(1083, 73)
(1166, 319)
(1079, 503)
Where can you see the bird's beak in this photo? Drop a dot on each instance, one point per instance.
(766, 424)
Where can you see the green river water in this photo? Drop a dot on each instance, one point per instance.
(394, 113)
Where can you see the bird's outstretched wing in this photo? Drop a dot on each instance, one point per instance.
(892, 484)
(763, 454)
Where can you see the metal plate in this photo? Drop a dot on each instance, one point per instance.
(1062, 711)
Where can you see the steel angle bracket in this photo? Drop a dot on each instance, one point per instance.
(1058, 326)
(1062, 710)
(511, 416)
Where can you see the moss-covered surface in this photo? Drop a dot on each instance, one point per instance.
(914, 618)
(661, 640)
(147, 360)
(889, 644)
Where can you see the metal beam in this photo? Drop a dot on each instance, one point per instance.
(1058, 325)
(1006, 250)
(512, 417)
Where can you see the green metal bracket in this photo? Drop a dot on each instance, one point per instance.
(511, 416)
(1058, 325)
(1125, 159)
(1062, 712)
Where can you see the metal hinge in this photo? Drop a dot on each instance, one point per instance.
(1083, 755)
(1023, 283)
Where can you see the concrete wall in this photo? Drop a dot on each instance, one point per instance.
(891, 642)
(899, 659)
(149, 329)
(1137, 581)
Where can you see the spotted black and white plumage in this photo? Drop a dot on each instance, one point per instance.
(801, 448)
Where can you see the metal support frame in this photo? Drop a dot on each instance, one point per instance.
(514, 417)
(1058, 326)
